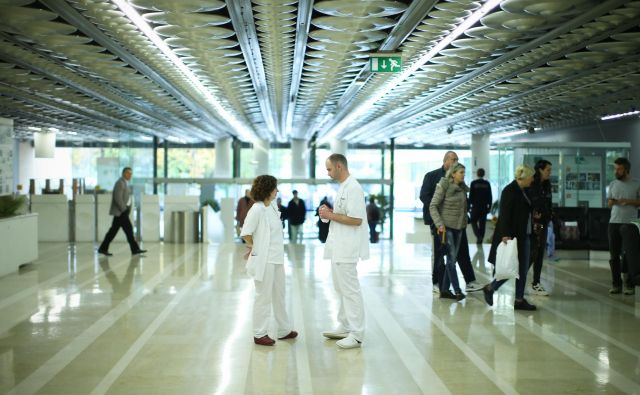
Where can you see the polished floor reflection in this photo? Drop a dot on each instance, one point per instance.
(178, 322)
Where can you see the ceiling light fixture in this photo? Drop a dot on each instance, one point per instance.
(616, 116)
(137, 19)
(504, 135)
(389, 86)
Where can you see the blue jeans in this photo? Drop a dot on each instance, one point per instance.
(450, 277)
(523, 268)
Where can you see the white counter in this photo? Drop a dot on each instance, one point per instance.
(150, 218)
(53, 217)
(85, 218)
(18, 242)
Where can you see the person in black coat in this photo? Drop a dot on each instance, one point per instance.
(514, 221)
(480, 200)
(540, 194)
(323, 227)
(427, 190)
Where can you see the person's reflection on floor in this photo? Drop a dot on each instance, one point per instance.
(120, 288)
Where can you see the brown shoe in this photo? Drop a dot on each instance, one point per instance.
(264, 341)
(291, 335)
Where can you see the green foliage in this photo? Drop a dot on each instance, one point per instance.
(10, 205)
(381, 201)
(215, 206)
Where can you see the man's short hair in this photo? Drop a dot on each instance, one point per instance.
(624, 162)
(125, 170)
(446, 155)
(294, 191)
(338, 158)
(480, 172)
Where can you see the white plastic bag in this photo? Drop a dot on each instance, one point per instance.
(507, 260)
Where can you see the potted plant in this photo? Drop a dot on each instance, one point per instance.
(11, 205)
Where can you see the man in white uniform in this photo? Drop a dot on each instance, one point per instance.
(348, 242)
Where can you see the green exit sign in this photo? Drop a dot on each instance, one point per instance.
(385, 64)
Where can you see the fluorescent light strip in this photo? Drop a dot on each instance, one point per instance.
(507, 134)
(389, 86)
(133, 15)
(616, 116)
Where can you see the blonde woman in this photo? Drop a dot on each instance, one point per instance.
(514, 220)
(262, 232)
(448, 209)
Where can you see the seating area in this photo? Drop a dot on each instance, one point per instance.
(581, 228)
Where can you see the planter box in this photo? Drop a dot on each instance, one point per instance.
(18, 242)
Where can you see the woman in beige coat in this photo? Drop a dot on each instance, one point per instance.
(448, 209)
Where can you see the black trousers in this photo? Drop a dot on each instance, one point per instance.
(464, 259)
(478, 223)
(618, 266)
(538, 246)
(120, 221)
(631, 247)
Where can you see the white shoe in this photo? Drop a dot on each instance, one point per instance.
(335, 334)
(436, 288)
(348, 342)
(473, 286)
(539, 290)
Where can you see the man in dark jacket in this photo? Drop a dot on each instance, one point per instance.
(429, 183)
(480, 201)
(296, 213)
(120, 209)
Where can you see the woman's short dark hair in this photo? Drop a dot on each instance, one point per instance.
(262, 187)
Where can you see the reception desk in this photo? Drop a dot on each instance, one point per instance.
(150, 218)
(53, 217)
(85, 218)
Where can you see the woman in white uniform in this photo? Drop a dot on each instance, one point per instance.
(262, 231)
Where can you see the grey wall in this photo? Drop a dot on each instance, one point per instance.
(619, 130)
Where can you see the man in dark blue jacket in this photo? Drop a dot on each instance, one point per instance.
(480, 200)
(429, 183)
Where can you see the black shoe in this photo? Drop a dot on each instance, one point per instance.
(460, 296)
(103, 252)
(138, 252)
(447, 295)
(488, 294)
(523, 305)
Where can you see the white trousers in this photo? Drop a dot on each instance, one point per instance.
(270, 292)
(351, 313)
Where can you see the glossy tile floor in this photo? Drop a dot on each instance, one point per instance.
(178, 322)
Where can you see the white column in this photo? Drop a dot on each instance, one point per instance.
(299, 155)
(261, 156)
(480, 157)
(338, 147)
(223, 158)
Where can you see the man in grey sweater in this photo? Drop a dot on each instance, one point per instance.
(120, 209)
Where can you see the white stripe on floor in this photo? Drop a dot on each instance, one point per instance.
(423, 374)
(305, 385)
(48, 370)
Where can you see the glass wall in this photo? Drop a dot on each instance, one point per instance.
(581, 171)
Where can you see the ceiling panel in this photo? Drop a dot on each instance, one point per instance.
(198, 71)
